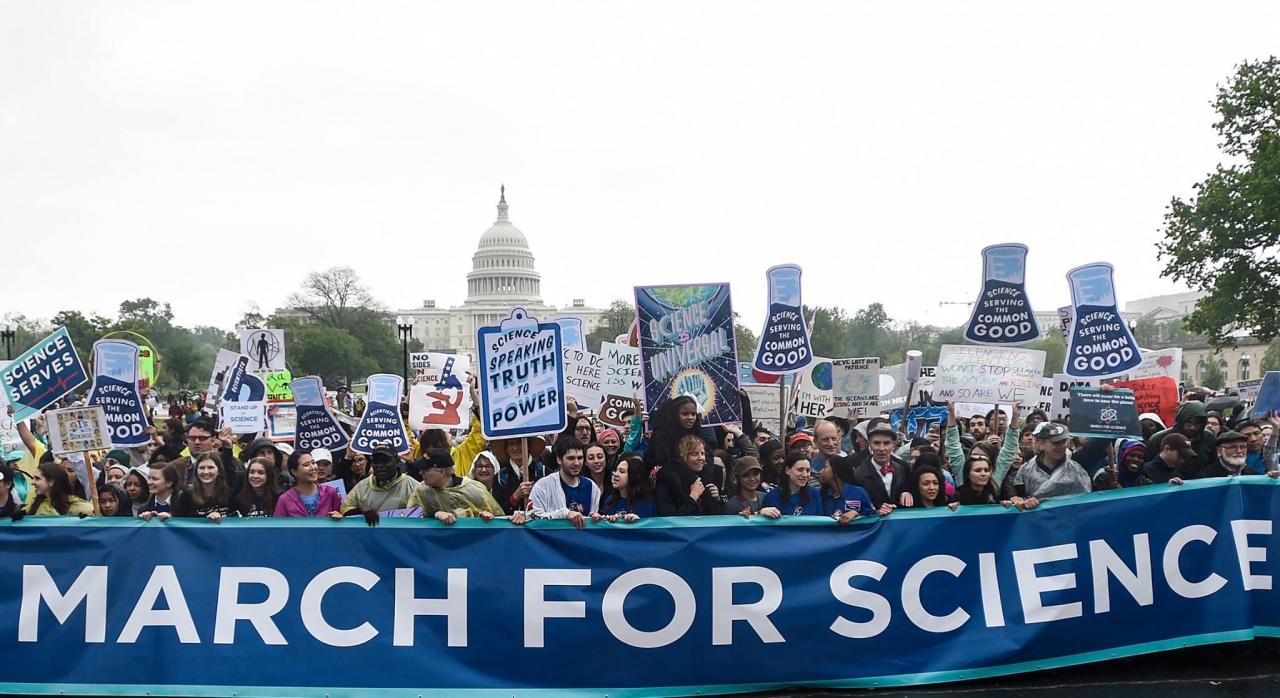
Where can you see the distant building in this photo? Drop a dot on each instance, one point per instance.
(502, 277)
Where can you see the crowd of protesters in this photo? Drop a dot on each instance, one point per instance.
(660, 465)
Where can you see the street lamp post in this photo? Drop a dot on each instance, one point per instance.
(406, 331)
(8, 335)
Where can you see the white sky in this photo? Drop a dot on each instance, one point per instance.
(211, 154)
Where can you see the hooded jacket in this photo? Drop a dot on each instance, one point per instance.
(283, 478)
(1204, 446)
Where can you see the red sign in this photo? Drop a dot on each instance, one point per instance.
(1158, 395)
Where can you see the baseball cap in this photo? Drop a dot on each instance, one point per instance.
(1179, 443)
(746, 464)
(322, 454)
(1053, 432)
(436, 458)
(798, 437)
(384, 453)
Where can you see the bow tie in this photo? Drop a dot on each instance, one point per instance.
(887, 470)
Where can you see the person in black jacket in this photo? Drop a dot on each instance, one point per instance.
(885, 477)
(209, 497)
(509, 486)
(684, 487)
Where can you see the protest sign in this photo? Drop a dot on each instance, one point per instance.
(115, 389)
(522, 390)
(1268, 400)
(146, 368)
(1065, 315)
(894, 385)
(1062, 385)
(315, 426)
(582, 377)
(573, 332)
(243, 417)
(10, 440)
(1248, 390)
(224, 363)
(1100, 344)
(1002, 314)
(784, 341)
(410, 513)
(380, 423)
(688, 347)
(439, 397)
(855, 385)
(252, 389)
(1045, 403)
(278, 389)
(1159, 362)
(747, 374)
(812, 394)
(1100, 415)
(282, 421)
(621, 382)
(77, 429)
(765, 405)
(965, 410)
(1158, 395)
(919, 419)
(265, 349)
(1003, 375)
(42, 374)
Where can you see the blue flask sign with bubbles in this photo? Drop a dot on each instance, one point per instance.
(315, 425)
(1100, 344)
(784, 342)
(381, 424)
(115, 388)
(1002, 314)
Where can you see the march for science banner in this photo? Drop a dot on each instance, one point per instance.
(680, 606)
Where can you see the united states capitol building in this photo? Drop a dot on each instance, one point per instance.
(502, 277)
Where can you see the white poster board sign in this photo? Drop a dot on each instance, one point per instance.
(986, 374)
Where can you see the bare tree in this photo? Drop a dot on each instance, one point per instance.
(337, 298)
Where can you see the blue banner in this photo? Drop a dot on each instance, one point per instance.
(381, 423)
(920, 419)
(1002, 314)
(315, 426)
(1100, 415)
(42, 374)
(784, 343)
(707, 605)
(688, 347)
(521, 377)
(1099, 344)
(115, 388)
(1268, 399)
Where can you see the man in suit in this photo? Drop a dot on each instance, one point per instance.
(886, 478)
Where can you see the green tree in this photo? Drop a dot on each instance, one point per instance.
(1223, 240)
(614, 320)
(1213, 378)
(181, 362)
(1271, 360)
(746, 340)
(334, 355)
(84, 331)
(1055, 352)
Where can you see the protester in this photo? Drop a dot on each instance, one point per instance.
(684, 486)
(484, 469)
(1130, 457)
(54, 495)
(772, 454)
(826, 441)
(10, 507)
(1163, 467)
(352, 468)
(747, 498)
(800, 443)
(927, 486)
(261, 490)
(116, 466)
(629, 499)
(324, 464)
(447, 497)
(884, 476)
(387, 490)
(1213, 423)
(1052, 473)
(597, 467)
(565, 494)
(1233, 457)
(612, 442)
(112, 500)
(1189, 420)
(163, 484)
(136, 487)
(308, 498)
(794, 496)
(675, 420)
(841, 499)
(1151, 423)
(1252, 432)
(977, 482)
(208, 497)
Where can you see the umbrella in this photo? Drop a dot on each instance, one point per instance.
(1222, 404)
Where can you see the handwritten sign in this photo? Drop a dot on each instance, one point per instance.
(278, 389)
(265, 349)
(1096, 414)
(582, 377)
(855, 385)
(42, 374)
(522, 391)
(439, 397)
(1158, 395)
(812, 396)
(282, 421)
(894, 385)
(78, 429)
(989, 374)
(621, 380)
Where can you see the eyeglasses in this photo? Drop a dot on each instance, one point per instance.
(193, 437)
(586, 428)
(483, 466)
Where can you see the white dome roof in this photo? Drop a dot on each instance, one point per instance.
(503, 234)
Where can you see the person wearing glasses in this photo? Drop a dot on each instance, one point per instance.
(1233, 457)
(204, 437)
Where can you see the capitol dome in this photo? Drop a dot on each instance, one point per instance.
(502, 267)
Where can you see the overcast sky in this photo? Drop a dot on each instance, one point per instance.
(212, 154)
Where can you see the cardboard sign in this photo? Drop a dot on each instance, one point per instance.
(965, 410)
(115, 389)
(784, 342)
(380, 423)
(766, 405)
(1268, 399)
(282, 421)
(688, 347)
(1100, 415)
(10, 440)
(1100, 344)
(894, 384)
(265, 349)
(855, 385)
(812, 396)
(583, 377)
(1248, 389)
(1158, 395)
(243, 417)
(1045, 403)
(1062, 385)
(315, 425)
(1002, 375)
(223, 363)
(146, 368)
(919, 419)
(1065, 318)
(1159, 362)
(621, 381)
(1002, 315)
(78, 429)
(42, 374)
(522, 390)
(278, 389)
(747, 374)
(439, 397)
